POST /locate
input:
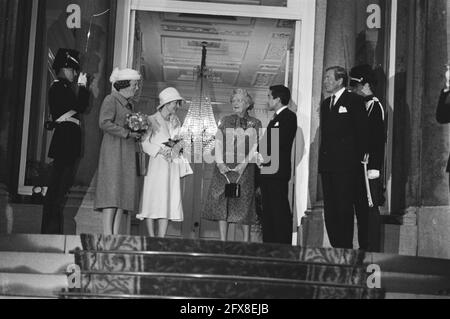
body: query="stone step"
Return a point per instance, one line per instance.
(203, 264)
(412, 275)
(145, 244)
(79, 295)
(32, 285)
(407, 264)
(405, 296)
(27, 298)
(35, 263)
(228, 287)
(388, 296)
(419, 284)
(39, 243)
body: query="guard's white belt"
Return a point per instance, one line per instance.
(67, 117)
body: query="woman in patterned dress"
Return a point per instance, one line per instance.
(236, 143)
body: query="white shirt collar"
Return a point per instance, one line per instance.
(282, 109)
(339, 94)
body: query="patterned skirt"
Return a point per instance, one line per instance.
(233, 210)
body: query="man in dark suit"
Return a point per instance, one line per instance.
(343, 147)
(276, 171)
(67, 101)
(443, 109)
(362, 82)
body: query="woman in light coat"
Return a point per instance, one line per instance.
(161, 197)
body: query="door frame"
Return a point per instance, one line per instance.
(22, 188)
(302, 12)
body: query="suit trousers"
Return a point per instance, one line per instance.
(61, 181)
(277, 219)
(369, 219)
(339, 194)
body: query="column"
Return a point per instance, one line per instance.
(434, 214)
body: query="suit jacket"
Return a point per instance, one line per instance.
(344, 134)
(377, 133)
(66, 141)
(286, 123)
(443, 113)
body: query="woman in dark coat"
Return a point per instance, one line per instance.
(117, 181)
(236, 164)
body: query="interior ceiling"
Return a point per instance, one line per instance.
(242, 52)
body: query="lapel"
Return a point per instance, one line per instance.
(339, 102)
(277, 118)
(123, 101)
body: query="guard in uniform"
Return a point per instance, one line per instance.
(363, 82)
(67, 101)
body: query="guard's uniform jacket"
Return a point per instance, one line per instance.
(369, 220)
(377, 133)
(66, 141)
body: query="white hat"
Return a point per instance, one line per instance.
(124, 75)
(167, 96)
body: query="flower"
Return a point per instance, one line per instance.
(177, 145)
(172, 143)
(137, 122)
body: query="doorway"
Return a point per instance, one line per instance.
(251, 46)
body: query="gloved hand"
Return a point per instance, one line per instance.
(259, 160)
(373, 174)
(82, 79)
(240, 169)
(166, 152)
(447, 79)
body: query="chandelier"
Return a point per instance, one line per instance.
(200, 127)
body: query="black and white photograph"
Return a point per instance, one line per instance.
(225, 154)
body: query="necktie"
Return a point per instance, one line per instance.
(332, 101)
(274, 116)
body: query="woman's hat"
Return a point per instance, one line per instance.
(169, 95)
(66, 58)
(124, 75)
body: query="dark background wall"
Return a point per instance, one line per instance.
(420, 144)
(15, 17)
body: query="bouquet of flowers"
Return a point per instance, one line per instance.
(139, 123)
(173, 142)
(176, 145)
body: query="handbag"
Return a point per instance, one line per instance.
(232, 190)
(142, 160)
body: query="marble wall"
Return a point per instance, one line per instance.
(435, 137)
